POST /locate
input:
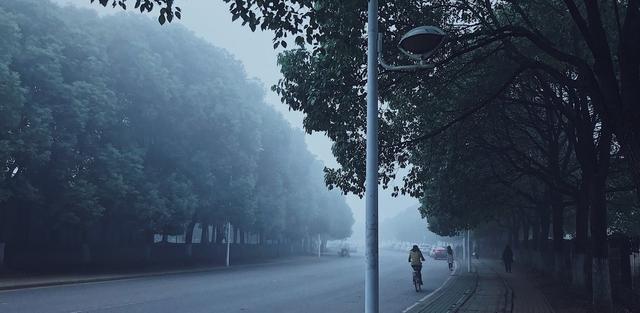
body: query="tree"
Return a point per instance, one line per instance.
(131, 147)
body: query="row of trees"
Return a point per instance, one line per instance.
(405, 227)
(113, 129)
(530, 119)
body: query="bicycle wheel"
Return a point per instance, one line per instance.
(416, 282)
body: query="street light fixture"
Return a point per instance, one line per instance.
(418, 44)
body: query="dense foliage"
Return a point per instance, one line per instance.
(529, 122)
(114, 129)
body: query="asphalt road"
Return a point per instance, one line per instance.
(331, 284)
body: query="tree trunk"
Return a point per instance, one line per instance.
(188, 239)
(219, 234)
(601, 282)
(149, 241)
(204, 235)
(188, 236)
(525, 234)
(515, 234)
(536, 245)
(580, 274)
(546, 254)
(24, 225)
(632, 150)
(2, 246)
(3, 234)
(526, 249)
(558, 234)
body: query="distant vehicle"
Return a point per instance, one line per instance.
(439, 253)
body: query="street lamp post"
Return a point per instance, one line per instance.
(227, 263)
(371, 291)
(418, 44)
(469, 249)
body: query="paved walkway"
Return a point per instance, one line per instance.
(526, 297)
(487, 289)
(492, 294)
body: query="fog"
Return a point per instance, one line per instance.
(175, 161)
(211, 20)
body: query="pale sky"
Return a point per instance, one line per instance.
(211, 20)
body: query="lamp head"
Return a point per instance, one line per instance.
(420, 42)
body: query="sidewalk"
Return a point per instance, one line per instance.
(488, 289)
(526, 297)
(491, 295)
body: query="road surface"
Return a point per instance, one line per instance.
(331, 284)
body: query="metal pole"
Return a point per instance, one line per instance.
(464, 249)
(319, 243)
(469, 251)
(371, 291)
(228, 242)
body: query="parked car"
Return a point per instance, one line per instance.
(439, 253)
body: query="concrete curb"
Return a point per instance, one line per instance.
(442, 290)
(427, 297)
(508, 292)
(467, 295)
(75, 282)
(87, 280)
(510, 295)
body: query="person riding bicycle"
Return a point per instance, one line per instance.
(416, 258)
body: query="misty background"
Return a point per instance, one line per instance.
(211, 21)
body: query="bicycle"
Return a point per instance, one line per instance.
(416, 281)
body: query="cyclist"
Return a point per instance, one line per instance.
(416, 258)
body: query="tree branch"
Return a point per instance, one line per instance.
(461, 117)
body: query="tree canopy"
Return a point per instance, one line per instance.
(529, 120)
(110, 135)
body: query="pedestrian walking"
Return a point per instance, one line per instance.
(507, 258)
(450, 257)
